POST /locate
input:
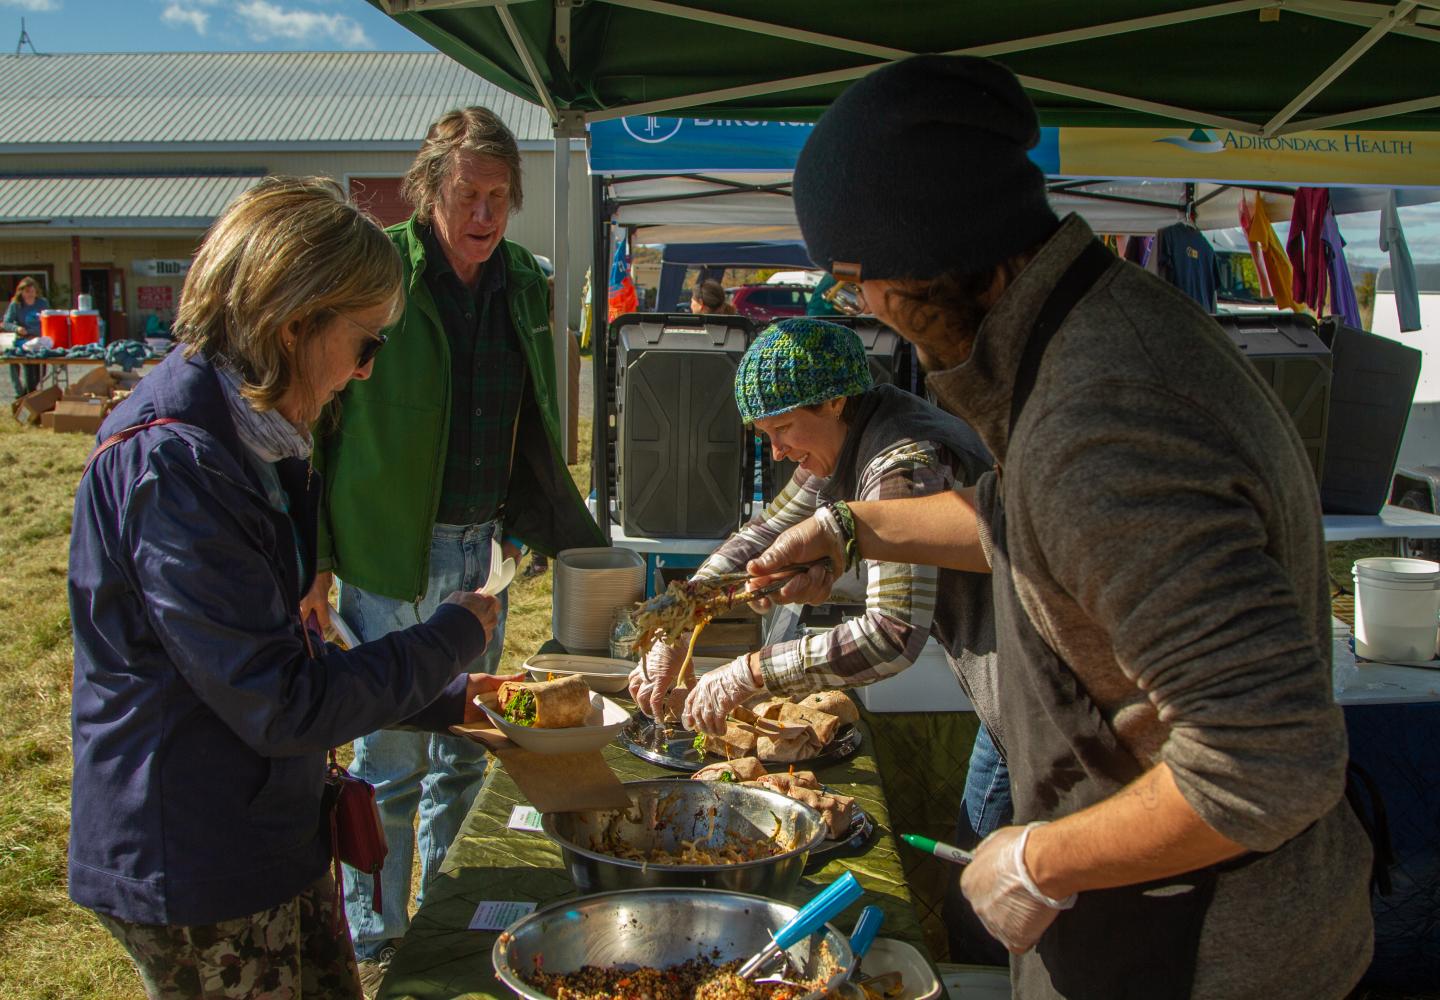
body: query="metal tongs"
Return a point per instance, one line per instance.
(662, 601)
(810, 918)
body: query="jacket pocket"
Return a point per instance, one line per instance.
(285, 811)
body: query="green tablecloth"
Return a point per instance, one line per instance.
(440, 957)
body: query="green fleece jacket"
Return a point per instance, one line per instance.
(383, 461)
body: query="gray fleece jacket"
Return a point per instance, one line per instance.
(1164, 530)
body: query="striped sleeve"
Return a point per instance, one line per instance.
(793, 504)
(899, 597)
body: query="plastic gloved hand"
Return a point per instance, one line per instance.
(1004, 896)
(804, 542)
(653, 679)
(715, 694)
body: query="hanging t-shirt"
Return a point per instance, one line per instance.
(1187, 261)
(1402, 268)
(1271, 263)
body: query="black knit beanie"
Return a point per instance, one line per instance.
(921, 168)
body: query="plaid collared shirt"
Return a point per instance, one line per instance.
(899, 597)
(487, 374)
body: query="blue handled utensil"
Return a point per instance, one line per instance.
(862, 937)
(812, 916)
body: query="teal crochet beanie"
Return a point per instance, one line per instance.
(799, 362)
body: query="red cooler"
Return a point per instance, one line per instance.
(55, 324)
(84, 327)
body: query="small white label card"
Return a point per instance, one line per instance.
(496, 915)
(525, 818)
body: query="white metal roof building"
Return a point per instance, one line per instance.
(110, 162)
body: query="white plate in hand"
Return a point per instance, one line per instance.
(602, 725)
(603, 674)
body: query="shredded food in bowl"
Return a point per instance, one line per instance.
(735, 849)
(697, 979)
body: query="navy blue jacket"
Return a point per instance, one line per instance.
(200, 721)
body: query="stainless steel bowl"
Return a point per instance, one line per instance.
(667, 811)
(658, 928)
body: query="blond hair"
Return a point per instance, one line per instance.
(474, 130)
(24, 283)
(289, 249)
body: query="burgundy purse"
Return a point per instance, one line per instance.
(356, 834)
(357, 837)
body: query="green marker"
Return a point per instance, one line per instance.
(946, 852)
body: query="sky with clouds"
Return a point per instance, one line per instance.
(201, 25)
(355, 25)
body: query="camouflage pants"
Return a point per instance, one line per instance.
(293, 951)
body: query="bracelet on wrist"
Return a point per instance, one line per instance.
(845, 524)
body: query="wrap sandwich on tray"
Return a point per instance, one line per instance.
(561, 704)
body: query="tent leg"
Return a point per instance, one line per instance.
(560, 320)
(600, 355)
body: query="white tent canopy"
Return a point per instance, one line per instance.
(741, 206)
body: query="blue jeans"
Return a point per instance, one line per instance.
(987, 805)
(436, 774)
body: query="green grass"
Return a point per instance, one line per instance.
(51, 949)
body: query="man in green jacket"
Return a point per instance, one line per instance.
(454, 441)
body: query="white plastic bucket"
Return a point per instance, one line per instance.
(1397, 602)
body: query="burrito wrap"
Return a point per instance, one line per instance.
(561, 704)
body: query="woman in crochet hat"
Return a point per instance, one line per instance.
(806, 385)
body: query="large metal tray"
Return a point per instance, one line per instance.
(673, 747)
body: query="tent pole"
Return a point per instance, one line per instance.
(600, 354)
(1366, 42)
(560, 317)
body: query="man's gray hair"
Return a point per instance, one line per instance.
(474, 130)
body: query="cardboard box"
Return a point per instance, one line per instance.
(96, 382)
(80, 416)
(29, 408)
(47, 420)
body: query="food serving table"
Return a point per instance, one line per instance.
(439, 957)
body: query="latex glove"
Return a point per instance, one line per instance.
(1005, 897)
(805, 542)
(652, 680)
(715, 694)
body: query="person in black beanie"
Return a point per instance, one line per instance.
(1163, 690)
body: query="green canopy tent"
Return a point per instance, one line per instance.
(1257, 68)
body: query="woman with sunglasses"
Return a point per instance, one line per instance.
(203, 706)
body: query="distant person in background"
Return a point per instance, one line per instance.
(23, 317)
(709, 298)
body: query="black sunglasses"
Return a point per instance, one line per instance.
(371, 347)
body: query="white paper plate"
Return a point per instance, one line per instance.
(602, 725)
(601, 673)
(890, 955)
(341, 630)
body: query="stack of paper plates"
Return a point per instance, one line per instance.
(590, 584)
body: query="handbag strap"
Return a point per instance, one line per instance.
(125, 435)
